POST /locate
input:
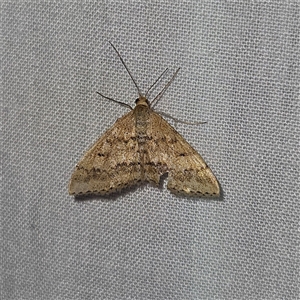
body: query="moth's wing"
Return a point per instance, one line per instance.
(167, 151)
(111, 163)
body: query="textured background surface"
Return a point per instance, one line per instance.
(239, 72)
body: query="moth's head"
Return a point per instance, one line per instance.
(142, 100)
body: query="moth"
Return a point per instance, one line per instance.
(140, 147)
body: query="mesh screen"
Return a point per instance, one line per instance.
(239, 72)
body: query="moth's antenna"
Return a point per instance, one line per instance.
(139, 91)
(164, 89)
(162, 74)
(121, 103)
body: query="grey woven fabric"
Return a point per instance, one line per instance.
(239, 72)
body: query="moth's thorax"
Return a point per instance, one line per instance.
(141, 113)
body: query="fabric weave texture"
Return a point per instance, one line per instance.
(239, 72)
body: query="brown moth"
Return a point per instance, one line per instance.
(140, 147)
